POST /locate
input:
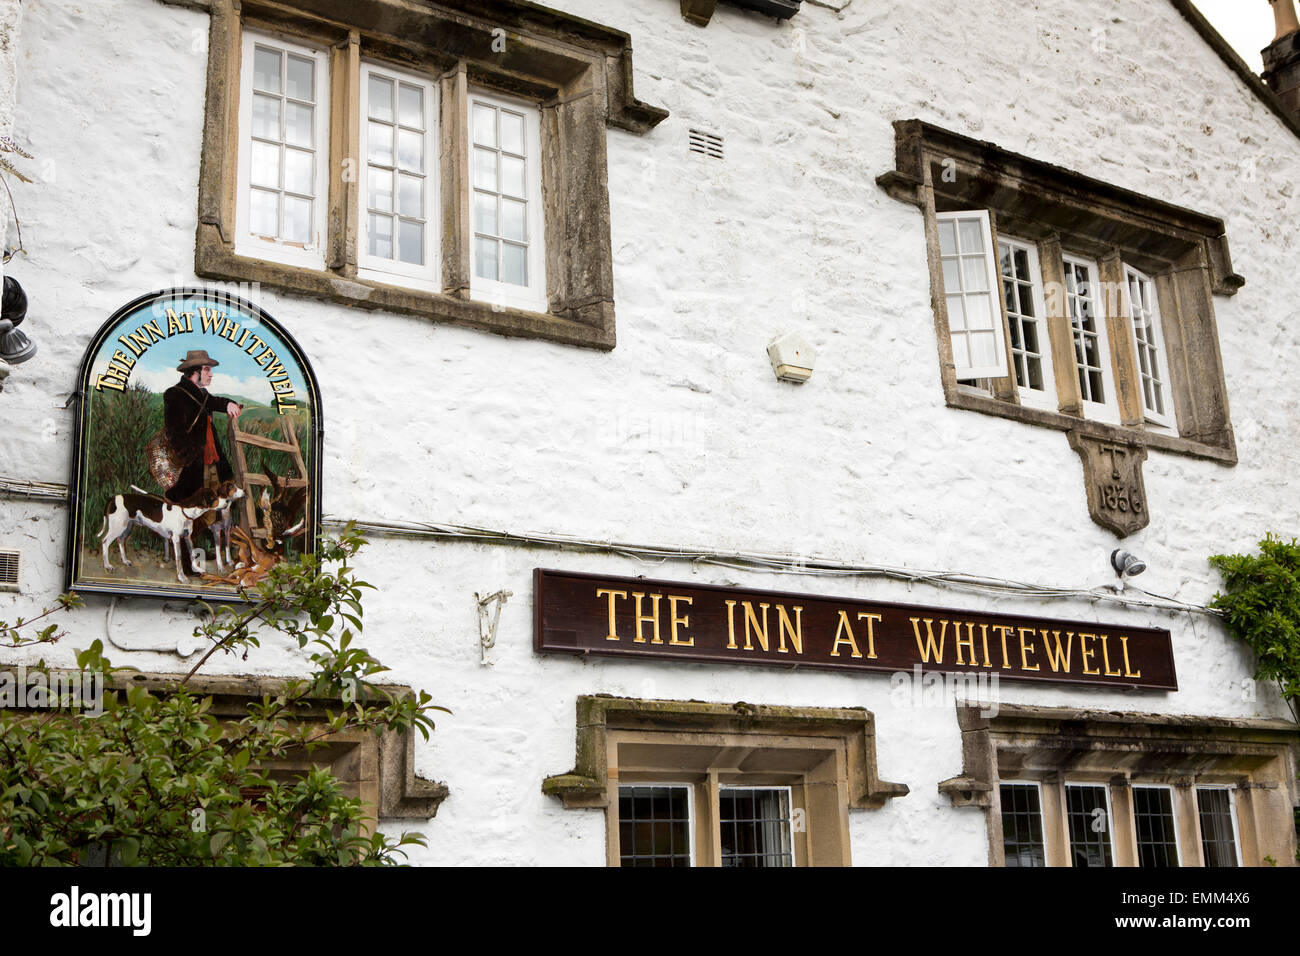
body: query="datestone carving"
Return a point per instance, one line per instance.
(1112, 475)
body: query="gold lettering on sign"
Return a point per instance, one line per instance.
(1026, 649)
(118, 371)
(1123, 642)
(844, 635)
(871, 632)
(1060, 661)
(751, 616)
(929, 647)
(967, 642)
(783, 625)
(653, 617)
(1006, 661)
(984, 637)
(130, 341)
(210, 320)
(674, 620)
(613, 629)
(1105, 658)
(1087, 652)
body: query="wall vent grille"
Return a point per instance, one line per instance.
(709, 144)
(10, 565)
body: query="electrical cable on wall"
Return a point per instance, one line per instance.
(783, 564)
(1129, 596)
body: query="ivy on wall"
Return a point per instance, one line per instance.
(1260, 602)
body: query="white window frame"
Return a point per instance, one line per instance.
(1046, 397)
(1173, 810)
(312, 255)
(1161, 377)
(998, 368)
(693, 819)
(1107, 410)
(1110, 816)
(1232, 813)
(533, 296)
(427, 276)
(691, 816)
(1042, 817)
(789, 802)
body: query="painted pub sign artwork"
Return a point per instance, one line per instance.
(198, 449)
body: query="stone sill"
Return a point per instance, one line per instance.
(216, 259)
(1020, 719)
(1118, 434)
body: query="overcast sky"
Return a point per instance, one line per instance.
(1246, 24)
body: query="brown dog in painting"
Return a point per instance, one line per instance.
(220, 522)
(172, 522)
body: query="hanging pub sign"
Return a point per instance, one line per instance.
(633, 617)
(197, 464)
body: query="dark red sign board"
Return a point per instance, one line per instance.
(635, 617)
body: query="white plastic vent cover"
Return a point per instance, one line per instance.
(710, 144)
(10, 564)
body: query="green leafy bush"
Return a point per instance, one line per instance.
(156, 779)
(1260, 604)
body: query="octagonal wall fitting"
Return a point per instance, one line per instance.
(792, 358)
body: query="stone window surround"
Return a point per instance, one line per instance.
(1057, 745)
(580, 73)
(827, 756)
(1185, 253)
(378, 770)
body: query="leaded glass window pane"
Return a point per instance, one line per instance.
(1022, 825)
(1218, 834)
(654, 826)
(1088, 812)
(756, 828)
(1153, 815)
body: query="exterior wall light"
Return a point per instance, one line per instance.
(1126, 565)
(15, 346)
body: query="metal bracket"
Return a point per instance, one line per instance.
(487, 633)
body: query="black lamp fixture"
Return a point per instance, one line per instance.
(15, 346)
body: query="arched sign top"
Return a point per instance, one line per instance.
(197, 465)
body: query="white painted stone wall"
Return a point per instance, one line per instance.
(681, 436)
(11, 18)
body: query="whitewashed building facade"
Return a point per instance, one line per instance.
(547, 346)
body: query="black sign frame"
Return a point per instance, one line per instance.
(290, 354)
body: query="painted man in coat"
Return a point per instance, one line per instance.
(187, 419)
